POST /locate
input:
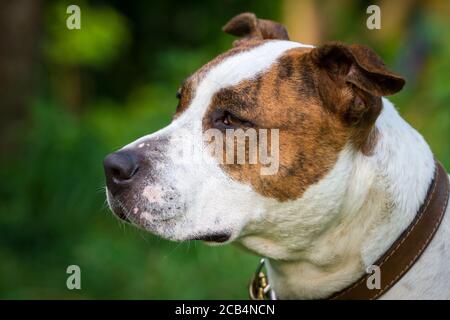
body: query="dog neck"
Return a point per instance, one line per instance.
(351, 217)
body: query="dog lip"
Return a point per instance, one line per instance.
(121, 215)
(215, 237)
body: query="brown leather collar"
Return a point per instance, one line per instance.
(409, 246)
(402, 254)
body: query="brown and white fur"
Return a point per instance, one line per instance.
(351, 177)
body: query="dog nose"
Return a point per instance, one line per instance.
(120, 168)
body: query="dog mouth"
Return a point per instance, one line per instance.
(122, 213)
(210, 238)
(214, 237)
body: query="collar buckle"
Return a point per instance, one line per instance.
(259, 287)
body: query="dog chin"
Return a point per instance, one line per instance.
(167, 230)
(215, 238)
(212, 238)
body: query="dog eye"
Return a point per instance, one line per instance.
(229, 120)
(178, 95)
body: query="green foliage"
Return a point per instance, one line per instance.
(103, 35)
(426, 103)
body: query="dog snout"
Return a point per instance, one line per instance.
(120, 168)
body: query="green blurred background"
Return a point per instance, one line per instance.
(69, 97)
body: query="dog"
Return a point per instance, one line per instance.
(350, 178)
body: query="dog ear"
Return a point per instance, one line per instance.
(353, 78)
(358, 65)
(248, 27)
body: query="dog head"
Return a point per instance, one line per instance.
(302, 106)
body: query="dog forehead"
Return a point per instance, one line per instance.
(246, 64)
(232, 68)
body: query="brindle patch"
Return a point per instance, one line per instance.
(310, 137)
